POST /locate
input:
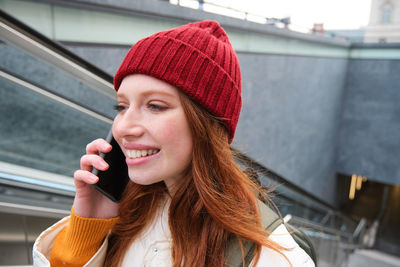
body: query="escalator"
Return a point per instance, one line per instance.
(50, 102)
(379, 203)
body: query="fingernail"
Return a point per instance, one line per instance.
(93, 179)
(104, 165)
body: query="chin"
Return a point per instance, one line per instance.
(143, 180)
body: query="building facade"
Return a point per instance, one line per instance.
(384, 22)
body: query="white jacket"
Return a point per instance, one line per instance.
(153, 247)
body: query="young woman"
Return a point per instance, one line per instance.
(187, 202)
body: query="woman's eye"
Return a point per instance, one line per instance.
(119, 108)
(155, 107)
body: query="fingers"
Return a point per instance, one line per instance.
(90, 161)
(82, 177)
(97, 146)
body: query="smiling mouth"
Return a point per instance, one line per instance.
(133, 154)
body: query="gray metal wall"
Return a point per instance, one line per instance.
(370, 131)
(290, 117)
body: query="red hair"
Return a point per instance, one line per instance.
(213, 203)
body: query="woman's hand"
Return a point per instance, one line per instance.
(89, 202)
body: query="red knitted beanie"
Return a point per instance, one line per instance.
(199, 60)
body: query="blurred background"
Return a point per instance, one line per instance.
(320, 122)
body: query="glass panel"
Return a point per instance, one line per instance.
(386, 14)
(21, 64)
(41, 133)
(296, 203)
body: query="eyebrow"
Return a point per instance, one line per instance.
(147, 93)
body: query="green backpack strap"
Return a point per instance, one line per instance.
(303, 241)
(269, 220)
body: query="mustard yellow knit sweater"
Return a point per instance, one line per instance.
(80, 240)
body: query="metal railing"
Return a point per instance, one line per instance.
(229, 10)
(333, 247)
(214, 7)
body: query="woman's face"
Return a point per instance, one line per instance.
(152, 130)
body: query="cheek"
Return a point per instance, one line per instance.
(177, 133)
(170, 129)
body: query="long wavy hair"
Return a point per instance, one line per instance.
(215, 202)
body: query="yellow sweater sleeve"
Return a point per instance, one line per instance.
(80, 240)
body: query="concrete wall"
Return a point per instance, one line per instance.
(291, 112)
(370, 129)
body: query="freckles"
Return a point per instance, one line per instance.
(170, 129)
(174, 129)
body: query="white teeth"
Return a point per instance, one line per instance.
(140, 153)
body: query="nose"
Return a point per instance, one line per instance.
(128, 124)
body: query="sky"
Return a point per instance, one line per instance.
(334, 14)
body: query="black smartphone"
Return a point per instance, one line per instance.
(113, 181)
